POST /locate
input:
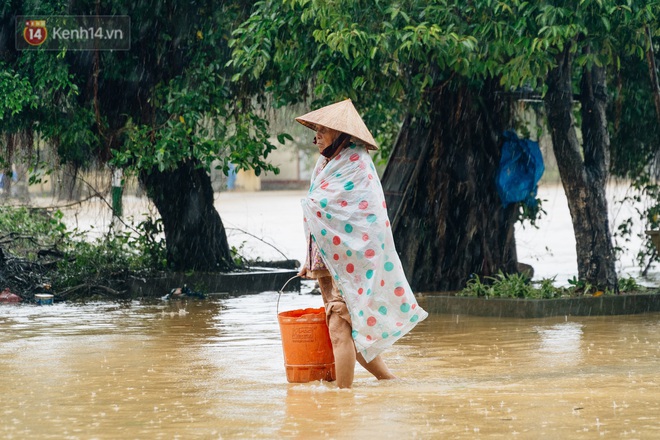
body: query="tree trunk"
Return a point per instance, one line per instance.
(447, 218)
(194, 234)
(22, 156)
(8, 159)
(68, 186)
(16, 158)
(584, 179)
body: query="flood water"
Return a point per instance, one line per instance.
(213, 369)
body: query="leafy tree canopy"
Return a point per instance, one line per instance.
(390, 55)
(166, 100)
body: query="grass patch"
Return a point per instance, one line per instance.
(520, 286)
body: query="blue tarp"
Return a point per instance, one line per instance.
(521, 167)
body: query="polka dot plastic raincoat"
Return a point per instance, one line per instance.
(346, 216)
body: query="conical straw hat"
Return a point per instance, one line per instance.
(340, 116)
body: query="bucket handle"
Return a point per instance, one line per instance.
(280, 294)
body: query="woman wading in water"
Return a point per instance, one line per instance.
(350, 250)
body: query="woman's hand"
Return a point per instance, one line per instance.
(303, 272)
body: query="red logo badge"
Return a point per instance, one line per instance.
(35, 32)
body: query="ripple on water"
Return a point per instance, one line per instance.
(214, 368)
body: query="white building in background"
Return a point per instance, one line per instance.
(295, 161)
(295, 168)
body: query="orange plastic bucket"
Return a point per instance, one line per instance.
(306, 344)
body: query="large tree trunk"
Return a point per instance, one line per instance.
(194, 234)
(448, 221)
(584, 179)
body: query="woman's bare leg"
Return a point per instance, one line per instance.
(341, 338)
(344, 350)
(376, 367)
(343, 346)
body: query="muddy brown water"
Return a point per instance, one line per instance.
(213, 369)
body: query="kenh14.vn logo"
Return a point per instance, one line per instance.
(35, 32)
(73, 32)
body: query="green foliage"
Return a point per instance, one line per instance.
(547, 290)
(581, 286)
(205, 73)
(39, 93)
(519, 286)
(194, 109)
(17, 92)
(390, 56)
(634, 128)
(511, 286)
(147, 239)
(90, 262)
(113, 256)
(166, 100)
(165, 103)
(531, 214)
(385, 56)
(474, 287)
(201, 76)
(30, 230)
(629, 284)
(116, 254)
(238, 255)
(35, 236)
(500, 286)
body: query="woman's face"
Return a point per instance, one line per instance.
(325, 137)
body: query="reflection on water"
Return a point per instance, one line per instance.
(560, 343)
(214, 369)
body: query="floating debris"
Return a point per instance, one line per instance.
(183, 292)
(6, 296)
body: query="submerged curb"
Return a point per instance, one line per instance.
(540, 308)
(218, 284)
